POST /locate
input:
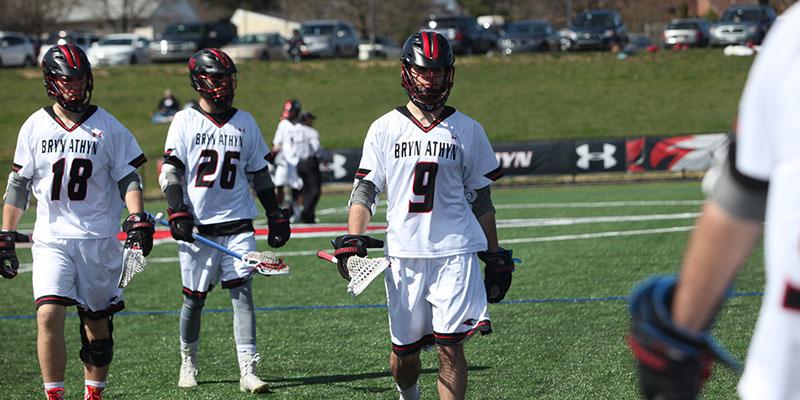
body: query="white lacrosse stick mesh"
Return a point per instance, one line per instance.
(362, 271)
(133, 262)
(266, 263)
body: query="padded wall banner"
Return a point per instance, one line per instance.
(679, 153)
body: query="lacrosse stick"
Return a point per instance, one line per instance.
(133, 262)
(263, 262)
(362, 270)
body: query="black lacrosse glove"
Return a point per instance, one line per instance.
(139, 227)
(352, 245)
(672, 362)
(181, 224)
(497, 274)
(9, 264)
(279, 229)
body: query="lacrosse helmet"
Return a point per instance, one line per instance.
(213, 76)
(291, 110)
(427, 69)
(68, 77)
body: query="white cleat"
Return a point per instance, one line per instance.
(188, 373)
(249, 382)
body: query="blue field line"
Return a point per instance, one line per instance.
(363, 306)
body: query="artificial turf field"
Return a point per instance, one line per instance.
(558, 335)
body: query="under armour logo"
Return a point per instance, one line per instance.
(606, 156)
(96, 133)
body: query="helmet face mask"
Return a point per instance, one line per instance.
(68, 77)
(213, 75)
(427, 70)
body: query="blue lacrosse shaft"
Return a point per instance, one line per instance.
(206, 241)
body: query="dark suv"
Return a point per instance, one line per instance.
(741, 24)
(596, 30)
(180, 41)
(464, 33)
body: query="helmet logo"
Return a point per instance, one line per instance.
(430, 46)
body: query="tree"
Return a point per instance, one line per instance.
(121, 15)
(33, 17)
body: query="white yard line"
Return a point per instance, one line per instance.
(612, 234)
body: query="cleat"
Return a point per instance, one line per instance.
(55, 394)
(188, 372)
(93, 393)
(249, 382)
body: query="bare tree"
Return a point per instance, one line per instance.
(121, 15)
(33, 17)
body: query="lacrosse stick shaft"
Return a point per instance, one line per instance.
(208, 242)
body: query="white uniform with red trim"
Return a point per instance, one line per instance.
(285, 172)
(434, 286)
(74, 171)
(768, 149)
(216, 156)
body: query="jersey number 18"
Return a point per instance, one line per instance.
(79, 173)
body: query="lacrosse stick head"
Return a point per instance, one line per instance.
(266, 263)
(363, 270)
(133, 262)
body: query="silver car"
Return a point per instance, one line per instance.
(260, 46)
(328, 38)
(119, 49)
(691, 32)
(16, 50)
(742, 24)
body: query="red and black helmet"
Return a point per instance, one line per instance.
(68, 77)
(291, 110)
(427, 69)
(213, 75)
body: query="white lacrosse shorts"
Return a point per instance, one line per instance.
(286, 174)
(81, 272)
(435, 300)
(203, 266)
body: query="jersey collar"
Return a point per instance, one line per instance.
(86, 115)
(219, 119)
(448, 111)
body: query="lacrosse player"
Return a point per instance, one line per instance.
(671, 319)
(80, 163)
(283, 151)
(436, 166)
(213, 154)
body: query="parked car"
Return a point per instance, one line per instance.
(180, 41)
(119, 49)
(16, 49)
(693, 32)
(259, 46)
(530, 35)
(464, 33)
(742, 24)
(384, 47)
(83, 40)
(596, 30)
(328, 38)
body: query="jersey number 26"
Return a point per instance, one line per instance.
(207, 168)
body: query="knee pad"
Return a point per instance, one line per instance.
(194, 302)
(98, 353)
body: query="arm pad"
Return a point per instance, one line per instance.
(130, 183)
(262, 184)
(18, 191)
(364, 193)
(482, 203)
(171, 182)
(740, 195)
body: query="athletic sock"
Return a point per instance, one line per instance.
(244, 317)
(410, 393)
(97, 384)
(53, 385)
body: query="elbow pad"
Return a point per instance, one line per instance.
(18, 191)
(364, 193)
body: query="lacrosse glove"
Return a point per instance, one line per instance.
(497, 273)
(352, 245)
(9, 264)
(672, 362)
(181, 224)
(139, 227)
(279, 229)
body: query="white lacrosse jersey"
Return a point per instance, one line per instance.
(74, 172)
(216, 155)
(286, 134)
(768, 149)
(429, 175)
